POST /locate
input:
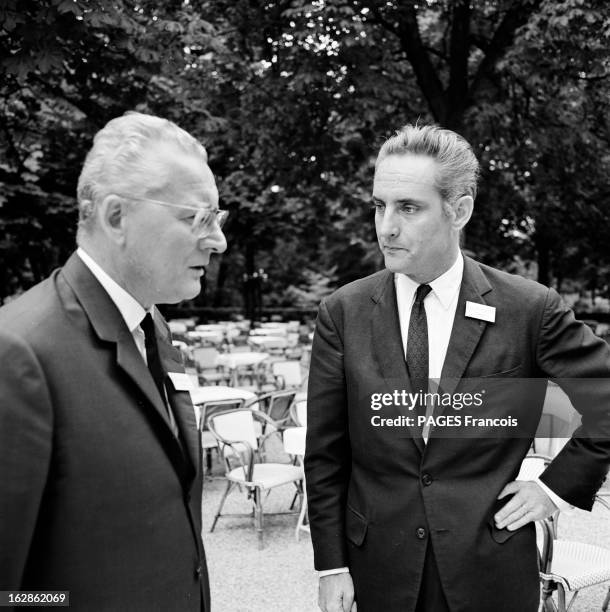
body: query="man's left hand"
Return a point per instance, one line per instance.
(529, 503)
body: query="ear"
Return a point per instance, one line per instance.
(112, 217)
(462, 211)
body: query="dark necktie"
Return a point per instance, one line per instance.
(417, 345)
(152, 354)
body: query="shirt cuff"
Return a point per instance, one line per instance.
(330, 572)
(561, 504)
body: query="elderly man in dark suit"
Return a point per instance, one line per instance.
(406, 516)
(100, 463)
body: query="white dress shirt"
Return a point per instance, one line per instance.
(440, 306)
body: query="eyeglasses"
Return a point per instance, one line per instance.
(203, 219)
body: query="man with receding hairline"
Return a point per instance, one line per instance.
(406, 518)
(100, 459)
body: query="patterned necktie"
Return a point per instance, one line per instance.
(152, 354)
(417, 345)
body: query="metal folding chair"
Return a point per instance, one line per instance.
(240, 447)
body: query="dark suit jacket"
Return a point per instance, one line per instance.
(98, 496)
(377, 495)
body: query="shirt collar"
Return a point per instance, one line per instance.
(445, 287)
(131, 310)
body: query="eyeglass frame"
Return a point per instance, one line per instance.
(220, 215)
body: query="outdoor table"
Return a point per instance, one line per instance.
(234, 361)
(269, 331)
(190, 323)
(216, 393)
(177, 327)
(269, 342)
(216, 336)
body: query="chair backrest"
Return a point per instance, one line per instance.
(298, 412)
(290, 371)
(279, 405)
(234, 426)
(212, 408)
(205, 357)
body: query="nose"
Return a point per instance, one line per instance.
(387, 224)
(214, 241)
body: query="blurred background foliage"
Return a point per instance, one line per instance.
(292, 100)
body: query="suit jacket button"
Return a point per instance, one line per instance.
(421, 533)
(427, 480)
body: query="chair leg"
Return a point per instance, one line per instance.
(258, 517)
(298, 494)
(208, 459)
(547, 603)
(561, 598)
(222, 503)
(302, 518)
(294, 499)
(606, 601)
(548, 606)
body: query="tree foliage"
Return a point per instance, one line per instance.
(292, 98)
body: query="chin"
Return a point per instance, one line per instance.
(186, 293)
(397, 267)
(192, 293)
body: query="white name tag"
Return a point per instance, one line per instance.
(181, 381)
(481, 311)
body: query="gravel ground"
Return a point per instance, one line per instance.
(280, 578)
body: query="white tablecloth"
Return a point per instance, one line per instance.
(269, 341)
(235, 360)
(213, 393)
(213, 335)
(269, 331)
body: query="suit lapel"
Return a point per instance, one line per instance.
(466, 331)
(131, 362)
(110, 326)
(387, 342)
(180, 401)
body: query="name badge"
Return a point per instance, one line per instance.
(481, 311)
(181, 381)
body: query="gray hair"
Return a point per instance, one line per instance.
(116, 164)
(459, 168)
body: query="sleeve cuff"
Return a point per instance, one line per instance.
(330, 572)
(561, 504)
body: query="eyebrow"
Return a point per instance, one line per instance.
(400, 201)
